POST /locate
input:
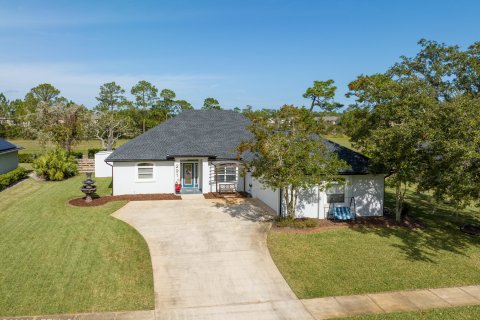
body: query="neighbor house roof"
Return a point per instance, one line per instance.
(208, 133)
(197, 133)
(6, 146)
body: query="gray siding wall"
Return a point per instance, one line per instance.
(8, 161)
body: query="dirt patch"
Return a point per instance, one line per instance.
(363, 222)
(98, 201)
(216, 195)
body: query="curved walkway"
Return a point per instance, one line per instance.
(210, 260)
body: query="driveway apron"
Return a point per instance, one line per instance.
(210, 260)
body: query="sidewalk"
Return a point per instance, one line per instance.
(398, 301)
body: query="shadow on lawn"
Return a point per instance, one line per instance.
(441, 233)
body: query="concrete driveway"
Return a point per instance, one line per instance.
(210, 260)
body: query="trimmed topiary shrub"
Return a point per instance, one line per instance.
(9, 178)
(55, 165)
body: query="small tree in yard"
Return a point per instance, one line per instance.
(290, 155)
(109, 126)
(55, 165)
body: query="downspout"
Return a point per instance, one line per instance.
(111, 165)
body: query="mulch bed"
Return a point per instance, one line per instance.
(216, 195)
(361, 222)
(98, 201)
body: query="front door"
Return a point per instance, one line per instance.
(188, 175)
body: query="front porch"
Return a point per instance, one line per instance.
(199, 175)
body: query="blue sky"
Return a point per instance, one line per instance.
(262, 53)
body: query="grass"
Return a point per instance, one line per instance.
(56, 258)
(365, 260)
(464, 313)
(34, 146)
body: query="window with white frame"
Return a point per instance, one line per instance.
(145, 171)
(227, 174)
(336, 193)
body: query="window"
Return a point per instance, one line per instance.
(145, 171)
(227, 174)
(336, 193)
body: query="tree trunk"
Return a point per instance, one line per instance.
(110, 140)
(398, 201)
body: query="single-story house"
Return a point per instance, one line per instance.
(197, 150)
(8, 156)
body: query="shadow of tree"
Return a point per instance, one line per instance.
(441, 233)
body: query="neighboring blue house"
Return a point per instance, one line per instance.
(8, 156)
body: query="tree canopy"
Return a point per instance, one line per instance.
(290, 155)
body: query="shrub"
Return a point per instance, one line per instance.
(76, 154)
(13, 176)
(27, 157)
(55, 165)
(299, 223)
(92, 151)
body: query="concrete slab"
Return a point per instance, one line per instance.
(424, 299)
(392, 302)
(472, 290)
(356, 305)
(210, 260)
(455, 296)
(325, 308)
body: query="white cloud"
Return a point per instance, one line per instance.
(81, 84)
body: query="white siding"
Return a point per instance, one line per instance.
(125, 179)
(102, 169)
(269, 196)
(368, 191)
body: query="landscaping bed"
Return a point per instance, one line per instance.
(98, 201)
(216, 195)
(308, 225)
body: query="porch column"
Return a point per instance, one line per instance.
(176, 167)
(205, 171)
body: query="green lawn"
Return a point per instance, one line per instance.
(56, 258)
(364, 260)
(34, 146)
(463, 313)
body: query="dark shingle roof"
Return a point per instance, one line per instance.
(5, 145)
(211, 133)
(358, 162)
(208, 133)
